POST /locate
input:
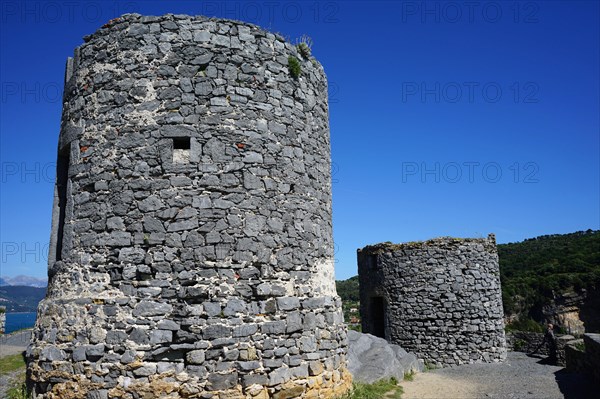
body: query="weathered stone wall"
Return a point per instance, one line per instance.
(586, 361)
(2, 319)
(440, 299)
(192, 244)
(527, 342)
(575, 360)
(592, 355)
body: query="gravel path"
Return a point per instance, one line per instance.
(14, 343)
(519, 377)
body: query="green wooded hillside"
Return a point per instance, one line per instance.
(348, 289)
(535, 270)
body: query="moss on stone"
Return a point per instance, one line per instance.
(388, 246)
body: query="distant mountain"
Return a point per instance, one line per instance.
(21, 298)
(23, 281)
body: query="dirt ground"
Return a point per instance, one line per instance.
(431, 385)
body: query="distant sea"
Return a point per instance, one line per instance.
(18, 321)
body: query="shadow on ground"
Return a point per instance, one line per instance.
(575, 386)
(571, 385)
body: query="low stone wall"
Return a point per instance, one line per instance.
(585, 361)
(592, 355)
(524, 341)
(575, 357)
(2, 319)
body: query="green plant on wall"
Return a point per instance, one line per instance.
(294, 66)
(519, 345)
(579, 345)
(304, 46)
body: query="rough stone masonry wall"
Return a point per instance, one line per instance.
(592, 355)
(528, 342)
(440, 299)
(584, 360)
(2, 319)
(196, 255)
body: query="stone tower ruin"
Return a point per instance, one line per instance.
(191, 248)
(440, 298)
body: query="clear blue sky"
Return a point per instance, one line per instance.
(460, 118)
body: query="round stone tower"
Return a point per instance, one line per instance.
(191, 248)
(440, 298)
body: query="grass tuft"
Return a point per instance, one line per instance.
(11, 363)
(429, 367)
(294, 66)
(304, 46)
(382, 389)
(14, 367)
(18, 390)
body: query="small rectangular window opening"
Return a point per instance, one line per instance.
(181, 150)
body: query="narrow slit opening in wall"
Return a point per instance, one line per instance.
(378, 316)
(181, 149)
(62, 180)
